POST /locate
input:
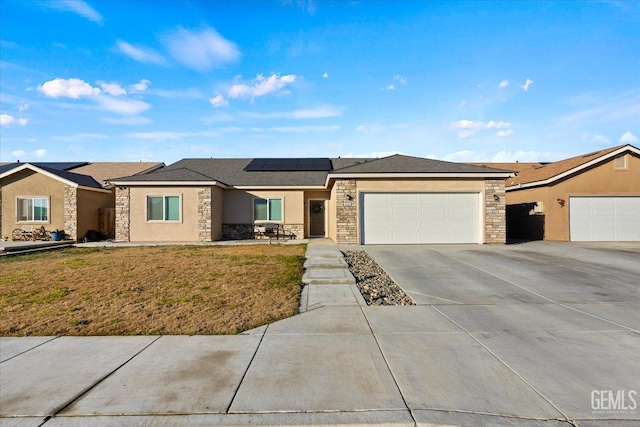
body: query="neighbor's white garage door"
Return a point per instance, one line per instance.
(405, 218)
(604, 218)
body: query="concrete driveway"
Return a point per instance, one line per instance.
(538, 334)
(527, 329)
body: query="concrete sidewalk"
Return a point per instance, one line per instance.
(339, 362)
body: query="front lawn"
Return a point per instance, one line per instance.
(149, 290)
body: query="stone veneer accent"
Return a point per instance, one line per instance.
(204, 214)
(1, 236)
(71, 212)
(346, 212)
(123, 210)
(495, 228)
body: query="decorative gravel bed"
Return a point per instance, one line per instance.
(375, 285)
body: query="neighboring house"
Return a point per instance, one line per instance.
(69, 196)
(592, 197)
(396, 199)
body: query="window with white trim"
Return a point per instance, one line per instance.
(32, 209)
(267, 209)
(163, 208)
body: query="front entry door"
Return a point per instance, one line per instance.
(316, 218)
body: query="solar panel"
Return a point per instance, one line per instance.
(289, 165)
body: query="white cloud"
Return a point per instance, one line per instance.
(628, 138)
(400, 79)
(168, 135)
(141, 86)
(23, 107)
(462, 103)
(6, 120)
(504, 84)
(504, 133)
(526, 84)
(325, 75)
(79, 137)
(41, 152)
(320, 112)
(468, 128)
(390, 87)
(78, 7)
(112, 89)
(598, 138)
(140, 54)
(298, 129)
(200, 51)
(131, 120)
(219, 101)
(122, 106)
(362, 129)
(498, 125)
(18, 153)
(69, 88)
(23, 122)
(261, 86)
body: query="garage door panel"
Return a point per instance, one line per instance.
(604, 218)
(410, 218)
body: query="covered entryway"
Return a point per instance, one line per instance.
(604, 218)
(317, 218)
(418, 218)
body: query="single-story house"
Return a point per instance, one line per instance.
(591, 197)
(69, 196)
(392, 200)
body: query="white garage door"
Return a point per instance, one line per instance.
(604, 218)
(405, 218)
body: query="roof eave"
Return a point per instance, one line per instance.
(167, 183)
(455, 175)
(573, 170)
(49, 175)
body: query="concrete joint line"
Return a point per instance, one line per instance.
(601, 318)
(235, 393)
(386, 362)
(501, 278)
(29, 349)
(434, 297)
(566, 417)
(64, 405)
(515, 417)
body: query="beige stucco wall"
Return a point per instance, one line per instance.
(406, 185)
(31, 184)
(184, 230)
(238, 205)
(601, 180)
(89, 202)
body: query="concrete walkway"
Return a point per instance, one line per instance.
(339, 362)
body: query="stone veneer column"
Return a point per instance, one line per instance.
(204, 214)
(123, 210)
(346, 212)
(71, 212)
(495, 229)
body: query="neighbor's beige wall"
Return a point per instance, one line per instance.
(407, 185)
(185, 230)
(31, 184)
(89, 202)
(238, 205)
(601, 180)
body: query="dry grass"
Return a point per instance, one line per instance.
(149, 290)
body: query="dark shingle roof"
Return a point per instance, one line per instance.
(232, 171)
(399, 163)
(83, 180)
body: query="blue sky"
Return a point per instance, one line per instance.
(157, 80)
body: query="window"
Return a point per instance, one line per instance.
(621, 162)
(33, 209)
(163, 208)
(267, 209)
